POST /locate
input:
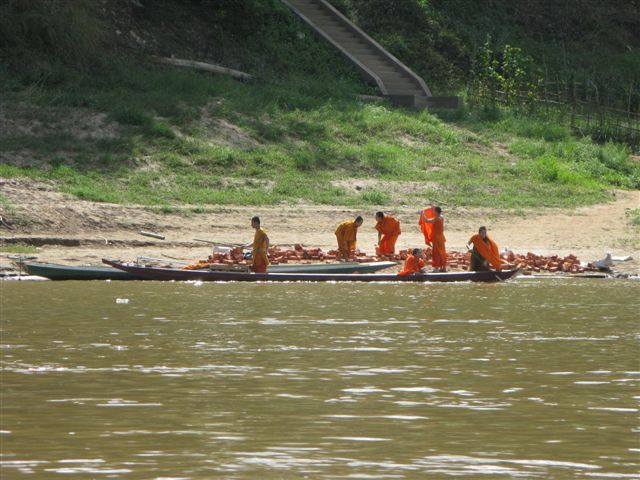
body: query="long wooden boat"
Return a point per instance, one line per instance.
(54, 271)
(153, 273)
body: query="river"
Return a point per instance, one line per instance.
(526, 379)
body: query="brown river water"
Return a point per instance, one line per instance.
(145, 380)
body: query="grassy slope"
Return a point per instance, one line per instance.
(164, 137)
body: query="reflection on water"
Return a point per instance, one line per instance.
(525, 379)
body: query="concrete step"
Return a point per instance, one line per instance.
(302, 4)
(307, 5)
(358, 46)
(410, 93)
(378, 57)
(404, 99)
(403, 87)
(347, 38)
(397, 87)
(331, 23)
(340, 32)
(328, 23)
(362, 50)
(377, 61)
(321, 17)
(365, 56)
(396, 78)
(394, 75)
(313, 12)
(374, 64)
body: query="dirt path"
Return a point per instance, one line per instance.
(80, 232)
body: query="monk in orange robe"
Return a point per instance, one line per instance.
(485, 252)
(260, 248)
(388, 232)
(413, 263)
(346, 235)
(432, 225)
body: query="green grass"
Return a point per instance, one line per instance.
(18, 249)
(5, 204)
(288, 141)
(634, 217)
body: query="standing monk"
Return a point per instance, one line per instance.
(485, 252)
(346, 236)
(260, 248)
(432, 225)
(388, 231)
(413, 264)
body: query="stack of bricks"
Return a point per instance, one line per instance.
(529, 262)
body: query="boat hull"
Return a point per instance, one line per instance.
(54, 271)
(151, 273)
(70, 272)
(346, 267)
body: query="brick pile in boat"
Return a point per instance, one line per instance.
(529, 262)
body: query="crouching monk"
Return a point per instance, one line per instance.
(484, 253)
(346, 234)
(413, 263)
(260, 248)
(388, 232)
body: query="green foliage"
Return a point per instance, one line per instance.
(5, 204)
(508, 75)
(535, 128)
(586, 40)
(40, 39)
(580, 162)
(19, 248)
(130, 115)
(634, 217)
(375, 197)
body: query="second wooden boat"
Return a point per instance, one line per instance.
(153, 273)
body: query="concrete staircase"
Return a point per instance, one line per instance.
(394, 79)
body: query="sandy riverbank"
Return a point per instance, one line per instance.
(72, 231)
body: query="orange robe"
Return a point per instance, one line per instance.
(412, 265)
(389, 227)
(434, 236)
(439, 253)
(425, 227)
(346, 232)
(488, 249)
(259, 252)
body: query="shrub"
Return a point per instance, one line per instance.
(375, 197)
